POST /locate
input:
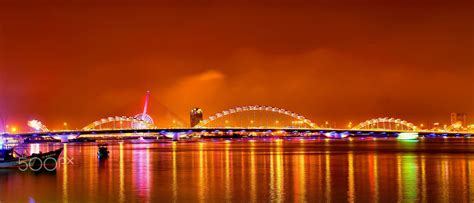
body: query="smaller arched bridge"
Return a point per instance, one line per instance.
(393, 124)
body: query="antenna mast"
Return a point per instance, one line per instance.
(145, 107)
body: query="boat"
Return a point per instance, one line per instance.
(80, 140)
(103, 151)
(10, 159)
(40, 139)
(335, 135)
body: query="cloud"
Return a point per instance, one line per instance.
(208, 76)
(190, 91)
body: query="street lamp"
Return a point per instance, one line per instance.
(65, 125)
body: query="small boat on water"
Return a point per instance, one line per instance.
(11, 159)
(103, 151)
(81, 140)
(40, 139)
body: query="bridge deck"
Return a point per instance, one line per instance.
(354, 132)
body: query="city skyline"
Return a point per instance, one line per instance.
(458, 121)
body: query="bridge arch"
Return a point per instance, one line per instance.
(386, 124)
(239, 109)
(118, 121)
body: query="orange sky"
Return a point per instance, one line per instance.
(353, 60)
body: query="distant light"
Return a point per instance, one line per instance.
(407, 136)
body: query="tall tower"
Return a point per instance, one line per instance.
(145, 106)
(196, 116)
(458, 118)
(143, 116)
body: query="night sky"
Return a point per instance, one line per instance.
(78, 61)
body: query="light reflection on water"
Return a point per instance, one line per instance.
(351, 192)
(122, 174)
(257, 171)
(65, 172)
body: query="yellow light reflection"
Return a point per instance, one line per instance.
(121, 174)
(470, 174)
(276, 174)
(423, 179)
(202, 182)
(175, 181)
(227, 185)
(92, 173)
(444, 188)
(328, 177)
(376, 178)
(319, 183)
(302, 178)
(272, 177)
(65, 181)
(463, 173)
(279, 175)
(253, 180)
(350, 192)
(399, 179)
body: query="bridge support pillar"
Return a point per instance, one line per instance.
(175, 136)
(64, 138)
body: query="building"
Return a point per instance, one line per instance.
(458, 119)
(196, 116)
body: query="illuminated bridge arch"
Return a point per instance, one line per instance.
(386, 124)
(257, 108)
(119, 122)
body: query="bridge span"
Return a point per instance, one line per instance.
(236, 132)
(253, 120)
